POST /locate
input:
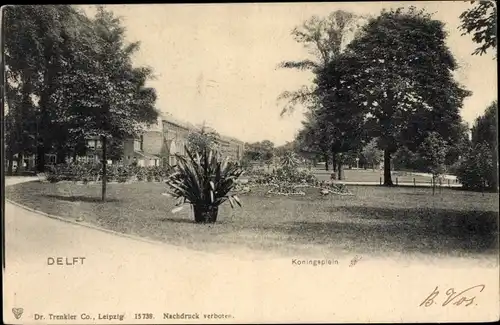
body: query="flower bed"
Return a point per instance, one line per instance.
(283, 174)
(288, 181)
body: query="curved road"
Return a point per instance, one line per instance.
(125, 276)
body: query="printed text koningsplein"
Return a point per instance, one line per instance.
(314, 262)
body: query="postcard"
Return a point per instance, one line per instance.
(250, 163)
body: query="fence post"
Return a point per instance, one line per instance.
(414, 183)
(380, 180)
(396, 181)
(449, 182)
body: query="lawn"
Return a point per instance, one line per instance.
(376, 220)
(369, 175)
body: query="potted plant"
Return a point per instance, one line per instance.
(204, 181)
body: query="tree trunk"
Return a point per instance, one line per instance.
(10, 158)
(44, 120)
(387, 168)
(11, 125)
(61, 156)
(104, 166)
(334, 162)
(325, 157)
(20, 158)
(205, 214)
(340, 172)
(40, 158)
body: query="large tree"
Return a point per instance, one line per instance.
(38, 51)
(107, 97)
(405, 80)
(481, 22)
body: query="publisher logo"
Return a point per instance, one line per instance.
(18, 312)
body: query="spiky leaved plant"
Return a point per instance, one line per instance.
(204, 181)
(289, 160)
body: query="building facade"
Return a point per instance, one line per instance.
(160, 144)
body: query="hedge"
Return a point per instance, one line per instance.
(88, 172)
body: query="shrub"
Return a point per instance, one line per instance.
(289, 160)
(204, 182)
(477, 170)
(141, 173)
(112, 173)
(86, 172)
(76, 171)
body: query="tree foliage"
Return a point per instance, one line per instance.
(479, 168)
(485, 128)
(262, 151)
(433, 151)
(480, 21)
(342, 116)
(372, 154)
(35, 43)
(324, 38)
(478, 171)
(203, 139)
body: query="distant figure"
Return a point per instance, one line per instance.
(333, 177)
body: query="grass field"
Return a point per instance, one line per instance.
(376, 220)
(369, 175)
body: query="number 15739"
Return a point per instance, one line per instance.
(143, 316)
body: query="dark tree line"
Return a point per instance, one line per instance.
(70, 77)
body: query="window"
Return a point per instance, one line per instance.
(50, 159)
(91, 144)
(138, 144)
(172, 161)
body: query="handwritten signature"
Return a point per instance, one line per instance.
(355, 260)
(464, 297)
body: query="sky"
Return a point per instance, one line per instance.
(217, 63)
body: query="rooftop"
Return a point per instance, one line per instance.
(167, 117)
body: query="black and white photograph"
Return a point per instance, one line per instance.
(236, 163)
